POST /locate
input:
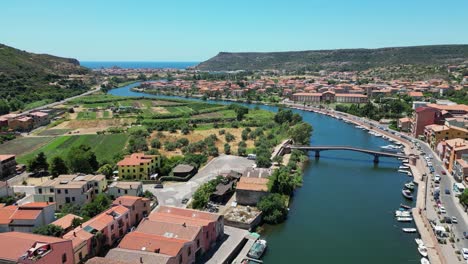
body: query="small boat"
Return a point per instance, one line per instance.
(419, 242)
(407, 207)
(403, 167)
(407, 194)
(409, 230)
(410, 174)
(425, 261)
(402, 214)
(402, 159)
(257, 249)
(403, 171)
(404, 219)
(409, 185)
(423, 251)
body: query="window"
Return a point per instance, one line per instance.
(67, 199)
(95, 184)
(134, 171)
(59, 191)
(73, 199)
(112, 227)
(118, 190)
(126, 191)
(64, 258)
(66, 191)
(51, 190)
(51, 199)
(190, 251)
(80, 256)
(39, 190)
(198, 243)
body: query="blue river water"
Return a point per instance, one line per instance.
(344, 212)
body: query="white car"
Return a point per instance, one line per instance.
(437, 179)
(465, 253)
(454, 220)
(442, 210)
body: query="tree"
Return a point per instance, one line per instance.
(273, 207)
(282, 181)
(229, 137)
(301, 133)
(76, 222)
(107, 170)
(100, 203)
(38, 163)
(49, 230)
(155, 143)
(227, 149)
(82, 159)
(464, 197)
(58, 167)
(4, 108)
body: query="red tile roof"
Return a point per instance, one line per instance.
(135, 159)
(152, 243)
(26, 214)
(14, 244)
(5, 157)
(66, 221)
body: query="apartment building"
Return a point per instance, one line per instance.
(27, 217)
(25, 248)
(330, 96)
(78, 189)
(121, 188)
(139, 207)
(454, 149)
(7, 165)
(138, 166)
(434, 134)
(460, 169)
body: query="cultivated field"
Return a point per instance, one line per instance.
(22, 145)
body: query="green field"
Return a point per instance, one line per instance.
(54, 132)
(23, 145)
(179, 109)
(105, 146)
(86, 115)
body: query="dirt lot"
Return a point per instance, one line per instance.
(199, 135)
(92, 126)
(160, 110)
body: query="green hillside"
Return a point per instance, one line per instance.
(27, 77)
(342, 59)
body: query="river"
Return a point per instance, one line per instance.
(343, 213)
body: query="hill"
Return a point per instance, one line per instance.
(27, 77)
(340, 60)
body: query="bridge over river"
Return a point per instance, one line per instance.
(318, 149)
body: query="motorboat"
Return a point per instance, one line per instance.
(257, 249)
(409, 185)
(404, 171)
(410, 174)
(402, 214)
(390, 148)
(403, 167)
(409, 230)
(407, 194)
(425, 261)
(407, 207)
(404, 219)
(419, 242)
(423, 251)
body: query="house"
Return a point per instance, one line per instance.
(40, 119)
(66, 189)
(404, 124)
(66, 222)
(7, 165)
(138, 166)
(25, 248)
(425, 116)
(139, 207)
(416, 95)
(249, 190)
(223, 192)
(454, 150)
(26, 217)
(184, 170)
(119, 188)
(21, 123)
(212, 225)
(105, 229)
(434, 134)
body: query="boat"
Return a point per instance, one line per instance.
(419, 242)
(422, 250)
(403, 167)
(407, 194)
(409, 185)
(407, 207)
(410, 174)
(404, 219)
(409, 230)
(257, 249)
(425, 261)
(390, 148)
(402, 214)
(403, 171)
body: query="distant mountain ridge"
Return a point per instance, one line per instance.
(339, 59)
(28, 77)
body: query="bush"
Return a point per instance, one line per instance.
(273, 207)
(155, 143)
(230, 137)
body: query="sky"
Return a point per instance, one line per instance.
(195, 30)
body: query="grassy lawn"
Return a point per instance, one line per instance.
(260, 115)
(86, 115)
(23, 145)
(106, 114)
(104, 146)
(37, 104)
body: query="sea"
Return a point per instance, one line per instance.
(139, 64)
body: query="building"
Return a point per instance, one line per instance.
(184, 170)
(416, 95)
(40, 119)
(138, 166)
(22, 123)
(66, 222)
(4, 189)
(460, 169)
(329, 97)
(105, 229)
(24, 248)
(27, 217)
(404, 124)
(424, 116)
(66, 189)
(120, 188)
(249, 190)
(139, 207)
(307, 97)
(7, 165)
(454, 149)
(212, 225)
(434, 134)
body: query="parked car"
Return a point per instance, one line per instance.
(454, 220)
(443, 172)
(437, 178)
(442, 210)
(448, 220)
(185, 200)
(465, 253)
(447, 191)
(465, 235)
(158, 186)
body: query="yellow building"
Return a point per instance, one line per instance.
(138, 166)
(436, 133)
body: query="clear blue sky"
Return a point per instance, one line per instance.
(195, 30)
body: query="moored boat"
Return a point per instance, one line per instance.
(419, 242)
(425, 261)
(257, 249)
(409, 230)
(405, 206)
(403, 167)
(409, 185)
(423, 251)
(404, 219)
(402, 214)
(404, 171)
(407, 194)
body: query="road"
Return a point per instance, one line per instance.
(174, 192)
